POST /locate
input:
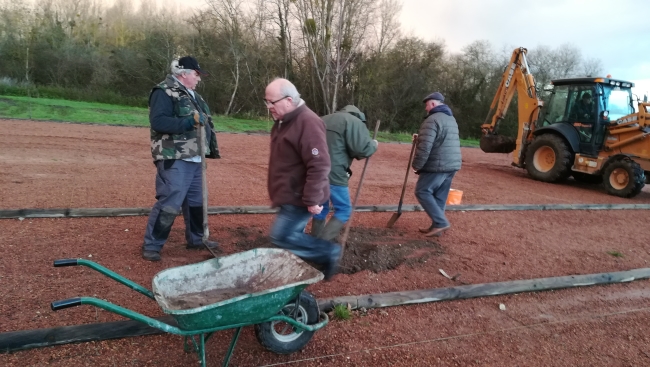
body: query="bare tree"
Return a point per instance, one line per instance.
(228, 17)
(592, 67)
(388, 29)
(333, 31)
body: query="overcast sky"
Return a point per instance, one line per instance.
(615, 31)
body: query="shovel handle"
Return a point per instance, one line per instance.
(204, 189)
(406, 177)
(346, 232)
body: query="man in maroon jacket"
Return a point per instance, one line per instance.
(298, 182)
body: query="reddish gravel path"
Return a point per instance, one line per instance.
(55, 165)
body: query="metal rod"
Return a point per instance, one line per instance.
(231, 349)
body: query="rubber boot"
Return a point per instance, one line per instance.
(332, 229)
(317, 226)
(163, 225)
(193, 222)
(194, 226)
(160, 231)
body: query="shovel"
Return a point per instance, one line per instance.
(356, 196)
(204, 188)
(396, 216)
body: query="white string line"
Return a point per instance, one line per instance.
(458, 336)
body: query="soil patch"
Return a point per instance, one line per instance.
(374, 249)
(379, 250)
(199, 299)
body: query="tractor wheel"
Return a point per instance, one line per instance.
(623, 178)
(587, 178)
(548, 158)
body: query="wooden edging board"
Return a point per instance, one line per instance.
(124, 212)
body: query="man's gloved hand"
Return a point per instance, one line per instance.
(200, 119)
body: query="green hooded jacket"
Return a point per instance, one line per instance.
(347, 138)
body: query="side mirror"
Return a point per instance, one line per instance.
(604, 115)
(645, 98)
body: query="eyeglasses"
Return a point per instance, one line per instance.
(271, 103)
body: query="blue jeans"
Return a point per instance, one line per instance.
(340, 198)
(288, 232)
(178, 186)
(431, 191)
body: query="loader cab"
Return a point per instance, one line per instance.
(588, 105)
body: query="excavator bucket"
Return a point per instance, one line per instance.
(491, 143)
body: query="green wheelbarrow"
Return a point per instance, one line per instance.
(261, 287)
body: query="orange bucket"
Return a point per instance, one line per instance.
(454, 197)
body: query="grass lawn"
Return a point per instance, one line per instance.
(100, 113)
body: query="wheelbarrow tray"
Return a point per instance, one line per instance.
(247, 287)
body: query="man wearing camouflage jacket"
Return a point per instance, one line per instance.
(176, 112)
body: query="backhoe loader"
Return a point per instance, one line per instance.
(588, 129)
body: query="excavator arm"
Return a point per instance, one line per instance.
(516, 78)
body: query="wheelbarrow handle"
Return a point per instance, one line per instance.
(70, 302)
(65, 262)
(109, 273)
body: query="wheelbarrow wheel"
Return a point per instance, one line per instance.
(282, 338)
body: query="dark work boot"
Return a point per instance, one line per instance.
(332, 229)
(213, 245)
(317, 226)
(151, 255)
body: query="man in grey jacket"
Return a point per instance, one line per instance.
(437, 159)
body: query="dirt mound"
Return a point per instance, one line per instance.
(373, 249)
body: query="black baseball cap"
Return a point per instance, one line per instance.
(190, 63)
